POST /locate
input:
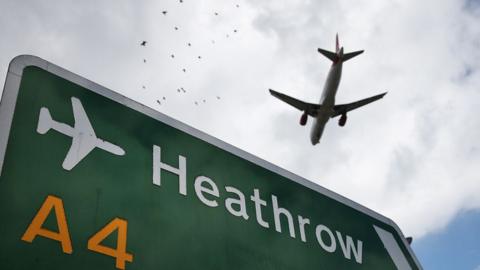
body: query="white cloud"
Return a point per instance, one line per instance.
(411, 156)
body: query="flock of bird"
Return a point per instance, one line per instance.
(182, 90)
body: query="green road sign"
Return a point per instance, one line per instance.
(92, 180)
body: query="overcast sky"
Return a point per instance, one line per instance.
(412, 156)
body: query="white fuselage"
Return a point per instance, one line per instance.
(327, 102)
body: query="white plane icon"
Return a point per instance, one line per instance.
(83, 136)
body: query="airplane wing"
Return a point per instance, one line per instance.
(83, 140)
(310, 108)
(82, 123)
(82, 145)
(344, 108)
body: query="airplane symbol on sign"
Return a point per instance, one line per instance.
(83, 136)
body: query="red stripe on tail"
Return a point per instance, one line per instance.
(337, 45)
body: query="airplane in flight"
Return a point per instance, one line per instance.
(83, 136)
(327, 109)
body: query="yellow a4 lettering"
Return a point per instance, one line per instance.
(63, 236)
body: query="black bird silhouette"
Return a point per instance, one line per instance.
(184, 91)
(199, 57)
(144, 43)
(218, 97)
(238, 6)
(178, 90)
(196, 103)
(235, 30)
(204, 101)
(164, 98)
(181, 1)
(143, 87)
(189, 44)
(144, 60)
(184, 70)
(176, 28)
(164, 12)
(173, 56)
(216, 13)
(159, 103)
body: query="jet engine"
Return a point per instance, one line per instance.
(303, 119)
(343, 120)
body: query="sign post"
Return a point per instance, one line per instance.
(91, 179)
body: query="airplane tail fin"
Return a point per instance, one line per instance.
(44, 121)
(337, 44)
(338, 55)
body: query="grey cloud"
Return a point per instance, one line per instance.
(406, 152)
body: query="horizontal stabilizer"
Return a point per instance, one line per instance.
(330, 55)
(335, 57)
(351, 55)
(310, 108)
(344, 108)
(44, 121)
